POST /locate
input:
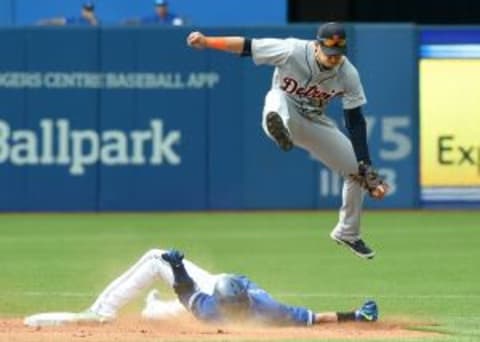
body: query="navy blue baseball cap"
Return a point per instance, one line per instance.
(161, 3)
(89, 6)
(332, 39)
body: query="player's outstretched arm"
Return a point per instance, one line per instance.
(325, 317)
(183, 284)
(368, 312)
(231, 44)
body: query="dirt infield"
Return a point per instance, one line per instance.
(188, 329)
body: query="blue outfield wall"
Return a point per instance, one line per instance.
(390, 77)
(114, 12)
(7, 12)
(112, 119)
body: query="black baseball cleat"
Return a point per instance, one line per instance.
(358, 247)
(278, 131)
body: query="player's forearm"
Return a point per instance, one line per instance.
(230, 44)
(183, 285)
(325, 317)
(357, 129)
(334, 317)
(234, 44)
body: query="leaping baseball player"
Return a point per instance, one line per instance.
(214, 298)
(307, 75)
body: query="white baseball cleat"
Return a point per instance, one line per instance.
(89, 316)
(46, 319)
(157, 309)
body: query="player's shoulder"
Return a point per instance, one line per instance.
(292, 42)
(347, 65)
(297, 43)
(299, 47)
(347, 68)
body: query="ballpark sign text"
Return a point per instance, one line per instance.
(57, 143)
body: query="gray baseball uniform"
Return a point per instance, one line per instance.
(301, 90)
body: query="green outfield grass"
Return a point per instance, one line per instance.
(427, 267)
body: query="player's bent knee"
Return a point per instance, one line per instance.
(153, 253)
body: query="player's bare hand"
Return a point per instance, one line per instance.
(197, 40)
(380, 191)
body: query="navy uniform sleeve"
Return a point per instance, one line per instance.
(204, 307)
(357, 131)
(270, 311)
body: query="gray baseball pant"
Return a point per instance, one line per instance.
(327, 144)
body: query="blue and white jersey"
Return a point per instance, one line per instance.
(169, 19)
(262, 309)
(81, 21)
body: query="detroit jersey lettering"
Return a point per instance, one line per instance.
(308, 86)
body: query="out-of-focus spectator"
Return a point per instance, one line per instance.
(162, 16)
(87, 17)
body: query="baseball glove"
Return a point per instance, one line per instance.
(370, 180)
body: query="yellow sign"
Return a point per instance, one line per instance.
(450, 122)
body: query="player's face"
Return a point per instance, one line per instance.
(327, 61)
(161, 10)
(87, 14)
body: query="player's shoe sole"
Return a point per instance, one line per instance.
(359, 248)
(46, 319)
(278, 131)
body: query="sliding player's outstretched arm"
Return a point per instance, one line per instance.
(183, 284)
(202, 305)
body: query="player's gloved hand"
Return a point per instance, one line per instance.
(370, 180)
(173, 257)
(368, 312)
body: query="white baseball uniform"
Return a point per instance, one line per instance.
(301, 90)
(150, 268)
